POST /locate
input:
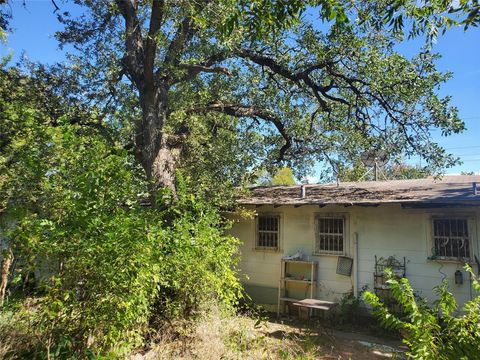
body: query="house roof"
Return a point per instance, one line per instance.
(453, 189)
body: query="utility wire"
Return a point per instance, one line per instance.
(462, 147)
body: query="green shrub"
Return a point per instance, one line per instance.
(72, 209)
(437, 332)
(127, 272)
(349, 310)
(113, 270)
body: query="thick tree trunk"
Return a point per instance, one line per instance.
(158, 154)
(165, 164)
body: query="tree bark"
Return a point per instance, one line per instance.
(157, 151)
(6, 263)
(158, 154)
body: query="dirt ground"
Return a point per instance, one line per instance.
(240, 337)
(332, 343)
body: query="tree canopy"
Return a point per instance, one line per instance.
(283, 176)
(202, 92)
(402, 17)
(396, 170)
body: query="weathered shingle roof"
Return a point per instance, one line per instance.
(449, 189)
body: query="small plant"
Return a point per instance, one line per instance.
(350, 308)
(437, 332)
(247, 307)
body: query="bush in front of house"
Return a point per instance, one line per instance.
(123, 275)
(114, 269)
(436, 332)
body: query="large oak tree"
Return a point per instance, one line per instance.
(319, 87)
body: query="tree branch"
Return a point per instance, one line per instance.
(195, 69)
(55, 6)
(184, 33)
(134, 55)
(151, 42)
(297, 77)
(205, 66)
(270, 63)
(238, 110)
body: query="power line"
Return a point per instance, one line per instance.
(462, 147)
(471, 154)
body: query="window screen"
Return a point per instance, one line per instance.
(451, 238)
(330, 237)
(268, 229)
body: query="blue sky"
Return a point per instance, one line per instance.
(34, 26)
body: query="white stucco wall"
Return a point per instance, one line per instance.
(386, 230)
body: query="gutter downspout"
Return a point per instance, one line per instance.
(355, 264)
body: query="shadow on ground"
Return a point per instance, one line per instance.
(324, 341)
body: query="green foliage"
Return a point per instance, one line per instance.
(117, 266)
(350, 309)
(432, 17)
(284, 176)
(31, 118)
(429, 18)
(396, 171)
(113, 268)
(124, 268)
(401, 170)
(259, 18)
(437, 332)
(298, 94)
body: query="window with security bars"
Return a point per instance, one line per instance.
(330, 237)
(451, 238)
(268, 231)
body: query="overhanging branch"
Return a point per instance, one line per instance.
(194, 69)
(183, 35)
(206, 66)
(251, 111)
(299, 77)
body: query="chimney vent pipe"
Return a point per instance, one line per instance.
(303, 191)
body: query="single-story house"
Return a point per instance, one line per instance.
(344, 233)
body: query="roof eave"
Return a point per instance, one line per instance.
(468, 202)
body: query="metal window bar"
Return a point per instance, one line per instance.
(330, 235)
(451, 238)
(268, 229)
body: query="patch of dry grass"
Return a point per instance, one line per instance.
(220, 336)
(6, 347)
(217, 335)
(18, 335)
(9, 339)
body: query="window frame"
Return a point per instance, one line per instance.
(257, 232)
(342, 216)
(471, 236)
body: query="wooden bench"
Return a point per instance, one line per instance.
(307, 304)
